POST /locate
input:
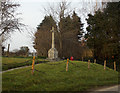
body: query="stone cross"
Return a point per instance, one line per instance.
(53, 53)
(53, 38)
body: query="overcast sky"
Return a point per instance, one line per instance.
(32, 15)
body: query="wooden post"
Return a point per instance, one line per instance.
(114, 63)
(67, 65)
(94, 60)
(114, 66)
(104, 64)
(88, 64)
(33, 63)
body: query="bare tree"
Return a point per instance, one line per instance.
(58, 11)
(9, 21)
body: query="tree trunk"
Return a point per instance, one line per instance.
(60, 41)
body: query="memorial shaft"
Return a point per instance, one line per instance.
(53, 38)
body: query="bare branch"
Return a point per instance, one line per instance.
(9, 21)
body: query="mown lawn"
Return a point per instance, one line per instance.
(9, 62)
(53, 77)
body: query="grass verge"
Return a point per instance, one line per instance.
(53, 77)
(9, 63)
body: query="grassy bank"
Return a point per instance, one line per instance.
(53, 77)
(9, 62)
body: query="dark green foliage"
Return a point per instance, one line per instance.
(103, 32)
(70, 28)
(66, 37)
(43, 36)
(47, 22)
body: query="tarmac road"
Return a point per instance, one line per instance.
(112, 89)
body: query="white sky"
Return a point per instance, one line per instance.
(33, 16)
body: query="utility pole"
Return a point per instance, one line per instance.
(8, 50)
